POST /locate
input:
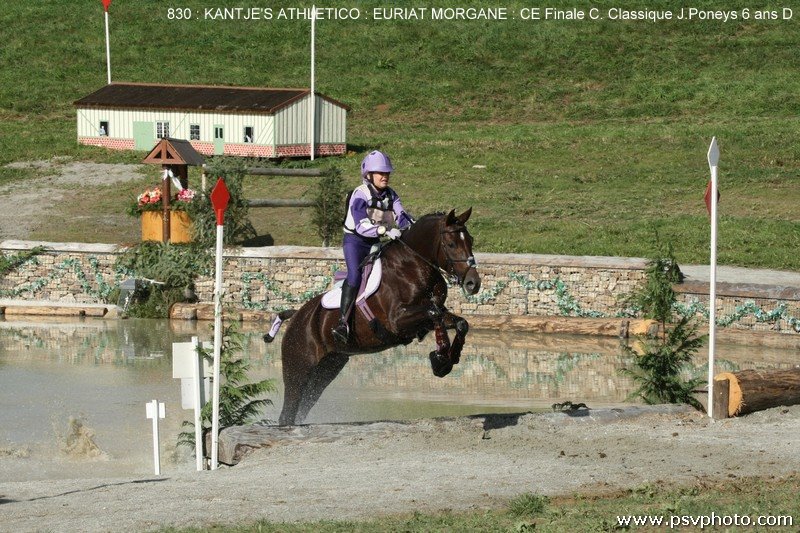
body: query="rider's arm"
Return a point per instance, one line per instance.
(403, 219)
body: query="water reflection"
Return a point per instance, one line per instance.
(104, 371)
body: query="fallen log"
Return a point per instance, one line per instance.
(748, 391)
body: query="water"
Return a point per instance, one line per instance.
(73, 393)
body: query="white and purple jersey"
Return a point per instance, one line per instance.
(368, 209)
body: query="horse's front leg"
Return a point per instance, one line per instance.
(441, 361)
(447, 354)
(461, 326)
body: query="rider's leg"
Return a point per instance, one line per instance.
(342, 330)
(355, 250)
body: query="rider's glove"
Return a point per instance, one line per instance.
(393, 233)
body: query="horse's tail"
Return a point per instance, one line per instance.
(276, 324)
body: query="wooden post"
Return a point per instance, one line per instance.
(165, 194)
(721, 397)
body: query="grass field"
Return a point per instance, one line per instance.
(566, 137)
(743, 502)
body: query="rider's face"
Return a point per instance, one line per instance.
(380, 180)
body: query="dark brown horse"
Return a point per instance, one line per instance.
(408, 304)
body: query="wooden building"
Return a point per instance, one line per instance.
(216, 120)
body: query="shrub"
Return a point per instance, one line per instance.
(238, 227)
(664, 357)
(329, 207)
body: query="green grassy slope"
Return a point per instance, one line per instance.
(590, 132)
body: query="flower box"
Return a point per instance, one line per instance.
(180, 227)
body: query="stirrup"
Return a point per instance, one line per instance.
(341, 333)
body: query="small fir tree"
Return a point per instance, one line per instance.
(664, 357)
(240, 402)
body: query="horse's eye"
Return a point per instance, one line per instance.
(451, 245)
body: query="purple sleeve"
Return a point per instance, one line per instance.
(400, 215)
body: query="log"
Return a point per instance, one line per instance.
(610, 327)
(755, 390)
(54, 310)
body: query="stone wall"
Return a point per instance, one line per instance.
(279, 277)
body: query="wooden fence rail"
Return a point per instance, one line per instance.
(279, 202)
(291, 172)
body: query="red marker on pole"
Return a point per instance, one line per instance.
(220, 196)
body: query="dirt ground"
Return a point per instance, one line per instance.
(364, 470)
(59, 177)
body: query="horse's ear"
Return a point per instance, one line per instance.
(450, 219)
(463, 217)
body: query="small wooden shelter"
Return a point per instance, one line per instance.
(174, 156)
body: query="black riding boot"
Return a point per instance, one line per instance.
(341, 332)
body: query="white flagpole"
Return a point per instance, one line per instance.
(108, 51)
(217, 350)
(313, 111)
(713, 160)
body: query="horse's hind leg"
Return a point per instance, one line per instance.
(318, 380)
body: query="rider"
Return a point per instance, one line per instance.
(373, 210)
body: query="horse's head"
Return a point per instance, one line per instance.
(455, 251)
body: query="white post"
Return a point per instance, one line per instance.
(108, 51)
(713, 160)
(312, 111)
(198, 407)
(217, 350)
(155, 410)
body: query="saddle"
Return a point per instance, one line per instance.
(370, 281)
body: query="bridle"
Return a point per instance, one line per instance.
(450, 271)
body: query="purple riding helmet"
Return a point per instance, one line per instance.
(376, 161)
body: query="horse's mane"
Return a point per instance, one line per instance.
(430, 217)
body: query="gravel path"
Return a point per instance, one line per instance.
(427, 465)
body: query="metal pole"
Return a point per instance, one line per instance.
(217, 350)
(108, 51)
(713, 159)
(312, 122)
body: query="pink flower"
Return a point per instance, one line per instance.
(186, 195)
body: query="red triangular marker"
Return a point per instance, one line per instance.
(219, 199)
(106, 4)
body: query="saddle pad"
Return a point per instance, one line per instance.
(333, 298)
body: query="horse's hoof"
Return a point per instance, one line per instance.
(440, 366)
(268, 338)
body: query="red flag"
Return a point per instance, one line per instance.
(106, 4)
(707, 197)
